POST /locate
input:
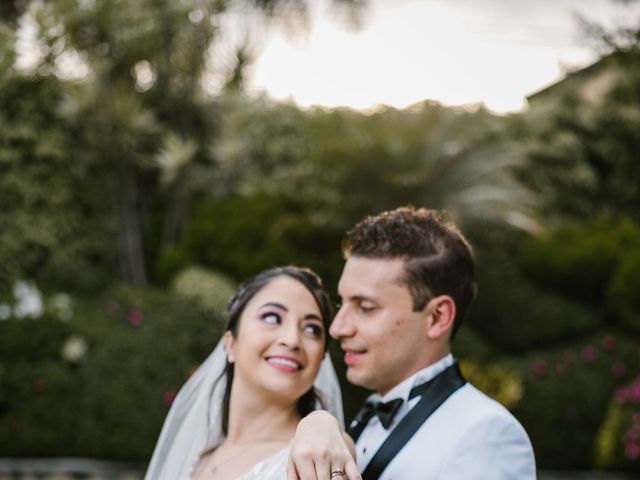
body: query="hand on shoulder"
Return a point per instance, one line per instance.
(319, 448)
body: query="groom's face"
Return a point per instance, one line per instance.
(382, 337)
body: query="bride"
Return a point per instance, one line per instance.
(236, 415)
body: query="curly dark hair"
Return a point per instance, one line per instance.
(438, 259)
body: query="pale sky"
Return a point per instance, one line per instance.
(456, 52)
(453, 51)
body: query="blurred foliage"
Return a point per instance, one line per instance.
(582, 160)
(211, 290)
(500, 383)
(136, 105)
(460, 161)
(618, 443)
(133, 349)
(582, 155)
(514, 313)
(580, 260)
(596, 263)
(624, 291)
(58, 221)
(567, 390)
(244, 235)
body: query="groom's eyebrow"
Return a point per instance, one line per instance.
(359, 298)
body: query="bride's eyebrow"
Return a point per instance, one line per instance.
(276, 305)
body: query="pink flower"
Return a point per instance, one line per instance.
(609, 342)
(633, 434)
(589, 353)
(113, 306)
(539, 367)
(135, 317)
(168, 397)
(634, 393)
(622, 395)
(618, 369)
(632, 451)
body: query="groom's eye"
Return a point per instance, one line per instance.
(367, 307)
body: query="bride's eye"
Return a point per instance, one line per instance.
(314, 329)
(270, 318)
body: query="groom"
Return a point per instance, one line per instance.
(406, 286)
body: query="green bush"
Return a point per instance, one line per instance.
(39, 399)
(499, 382)
(211, 290)
(580, 260)
(618, 444)
(624, 291)
(242, 236)
(470, 345)
(566, 393)
(100, 384)
(52, 197)
(516, 315)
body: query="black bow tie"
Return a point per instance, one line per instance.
(384, 411)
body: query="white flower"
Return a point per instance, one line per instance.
(61, 305)
(5, 311)
(74, 349)
(28, 300)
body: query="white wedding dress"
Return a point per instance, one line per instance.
(271, 468)
(193, 423)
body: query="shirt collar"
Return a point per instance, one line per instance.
(403, 389)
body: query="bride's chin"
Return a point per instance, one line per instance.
(286, 394)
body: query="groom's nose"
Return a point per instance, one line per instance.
(342, 326)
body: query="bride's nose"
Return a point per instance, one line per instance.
(290, 335)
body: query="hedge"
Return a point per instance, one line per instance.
(100, 384)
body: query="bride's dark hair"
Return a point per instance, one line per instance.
(313, 283)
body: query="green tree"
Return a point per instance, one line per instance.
(347, 164)
(56, 219)
(136, 106)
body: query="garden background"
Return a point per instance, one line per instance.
(132, 203)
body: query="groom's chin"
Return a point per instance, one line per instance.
(358, 377)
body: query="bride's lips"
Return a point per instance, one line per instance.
(284, 363)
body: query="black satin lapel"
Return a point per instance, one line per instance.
(436, 393)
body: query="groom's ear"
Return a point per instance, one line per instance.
(440, 312)
(229, 344)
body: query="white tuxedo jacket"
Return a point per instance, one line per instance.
(470, 437)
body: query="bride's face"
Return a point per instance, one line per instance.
(280, 341)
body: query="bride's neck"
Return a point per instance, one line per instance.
(256, 418)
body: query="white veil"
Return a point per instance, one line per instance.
(193, 423)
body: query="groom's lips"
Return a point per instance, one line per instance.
(351, 357)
